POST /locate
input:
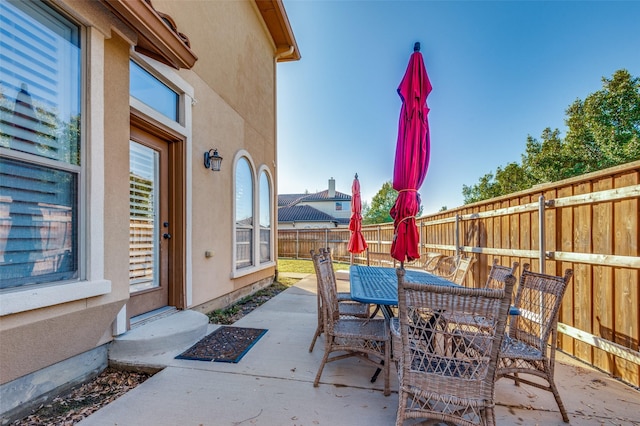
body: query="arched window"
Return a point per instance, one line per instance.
(244, 214)
(265, 218)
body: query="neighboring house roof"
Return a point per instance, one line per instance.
(304, 214)
(289, 199)
(343, 220)
(324, 196)
(293, 199)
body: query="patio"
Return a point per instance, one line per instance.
(273, 384)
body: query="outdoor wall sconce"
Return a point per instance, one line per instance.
(212, 160)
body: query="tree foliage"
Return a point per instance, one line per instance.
(603, 131)
(381, 204)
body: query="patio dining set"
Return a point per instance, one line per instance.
(447, 343)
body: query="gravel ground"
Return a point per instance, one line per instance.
(70, 408)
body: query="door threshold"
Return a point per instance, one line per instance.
(150, 316)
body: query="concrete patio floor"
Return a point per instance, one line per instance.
(273, 384)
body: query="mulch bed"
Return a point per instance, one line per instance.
(83, 400)
(225, 344)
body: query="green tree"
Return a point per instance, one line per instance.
(603, 131)
(381, 204)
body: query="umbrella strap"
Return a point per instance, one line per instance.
(408, 190)
(406, 218)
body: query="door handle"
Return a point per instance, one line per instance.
(166, 236)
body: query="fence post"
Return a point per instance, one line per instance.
(457, 234)
(541, 236)
(297, 243)
(326, 237)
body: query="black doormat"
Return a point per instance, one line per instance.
(225, 344)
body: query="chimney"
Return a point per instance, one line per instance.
(332, 188)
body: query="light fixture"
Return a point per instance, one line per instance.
(212, 160)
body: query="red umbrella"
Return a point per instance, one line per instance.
(357, 244)
(412, 157)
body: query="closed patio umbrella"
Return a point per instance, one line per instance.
(412, 157)
(357, 244)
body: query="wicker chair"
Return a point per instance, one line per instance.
(498, 273)
(525, 349)
(368, 339)
(447, 369)
(454, 268)
(347, 307)
(431, 261)
(446, 266)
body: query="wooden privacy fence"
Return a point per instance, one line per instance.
(588, 223)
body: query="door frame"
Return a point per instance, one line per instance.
(176, 276)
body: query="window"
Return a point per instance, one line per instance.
(338, 206)
(253, 216)
(265, 218)
(151, 91)
(40, 152)
(244, 214)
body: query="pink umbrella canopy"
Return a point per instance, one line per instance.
(357, 244)
(412, 157)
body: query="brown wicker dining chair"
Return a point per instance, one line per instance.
(431, 260)
(526, 349)
(347, 306)
(496, 280)
(446, 266)
(498, 273)
(368, 339)
(446, 369)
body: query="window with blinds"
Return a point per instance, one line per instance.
(244, 214)
(265, 218)
(40, 162)
(143, 217)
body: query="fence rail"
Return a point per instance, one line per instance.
(588, 223)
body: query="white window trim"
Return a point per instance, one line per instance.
(257, 266)
(91, 200)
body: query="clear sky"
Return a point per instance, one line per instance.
(500, 71)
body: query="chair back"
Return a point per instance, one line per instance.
(446, 266)
(431, 260)
(464, 266)
(448, 357)
(498, 273)
(326, 287)
(538, 299)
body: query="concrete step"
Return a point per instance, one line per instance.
(153, 344)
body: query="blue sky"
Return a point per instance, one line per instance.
(500, 71)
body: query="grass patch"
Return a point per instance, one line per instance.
(304, 266)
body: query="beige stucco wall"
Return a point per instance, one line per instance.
(234, 86)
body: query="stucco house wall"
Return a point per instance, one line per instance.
(231, 106)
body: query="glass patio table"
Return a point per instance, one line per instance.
(379, 285)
